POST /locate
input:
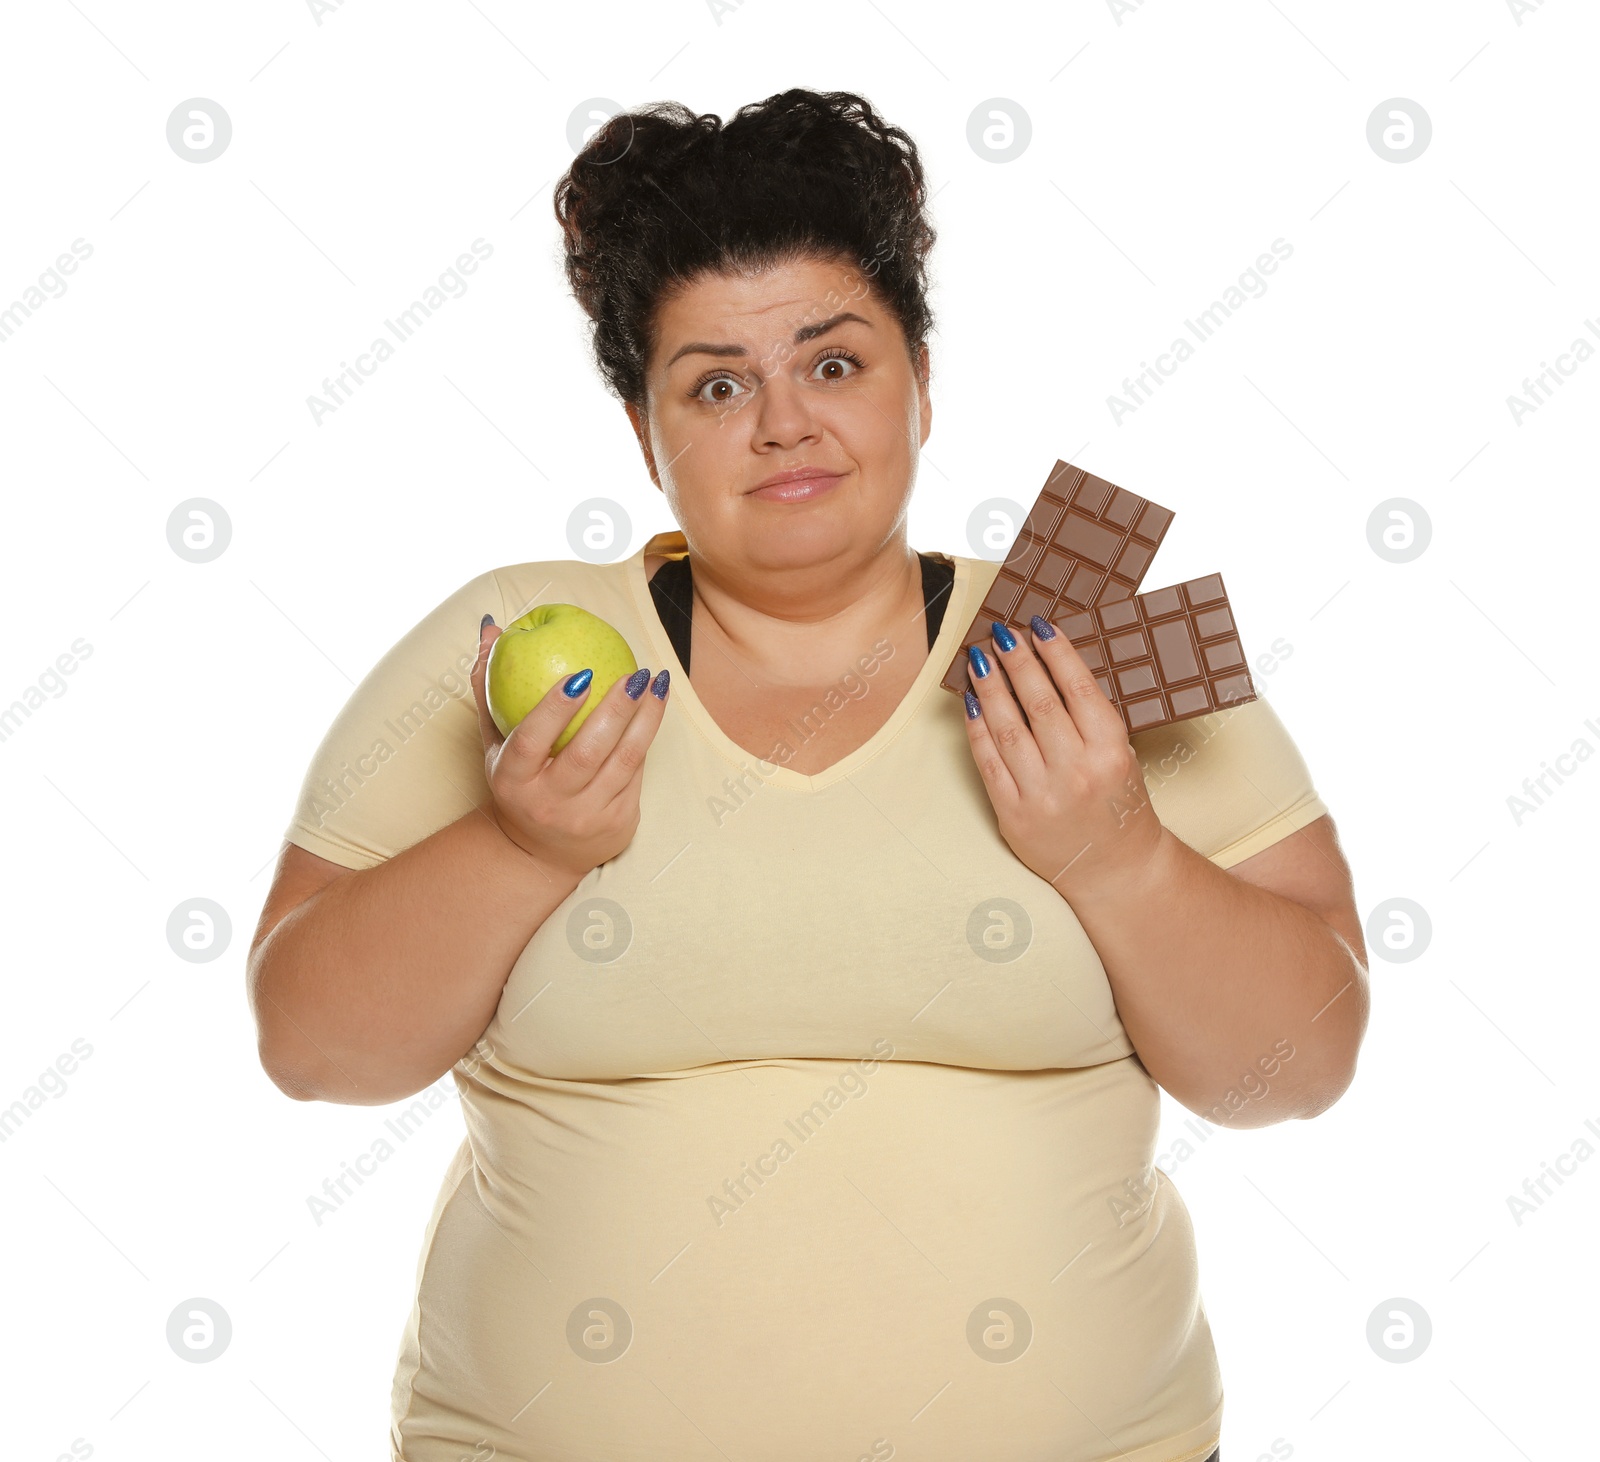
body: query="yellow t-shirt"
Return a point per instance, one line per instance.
(806, 1127)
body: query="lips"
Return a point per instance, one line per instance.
(796, 475)
(798, 485)
(798, 489)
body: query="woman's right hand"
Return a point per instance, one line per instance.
(573, 811)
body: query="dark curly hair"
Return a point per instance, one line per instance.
(660, 197)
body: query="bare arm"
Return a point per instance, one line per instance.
(1244, 990)
(369, 985)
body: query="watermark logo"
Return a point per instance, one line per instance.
(199, 530)
(1399, 930)
(1399, 1330)
(199, 1330)
(199, 930)
(599, 1330)
(993, 526)
(199, 130)
(599, 529)
(1399, 130)
(999, 1330)
(999, 930)
(999, 130)
(599, 931)
(1399, 530)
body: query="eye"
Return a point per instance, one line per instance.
(712, 378)
(839, 353)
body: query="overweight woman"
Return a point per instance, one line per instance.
(808, 1027)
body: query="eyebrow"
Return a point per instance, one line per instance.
(803, 334)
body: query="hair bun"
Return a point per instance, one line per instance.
(660, 195)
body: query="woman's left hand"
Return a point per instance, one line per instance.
(1064, 780)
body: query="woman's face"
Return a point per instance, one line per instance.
(797, 366)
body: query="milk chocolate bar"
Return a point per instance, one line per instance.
(1164, 656)
(1085, 542)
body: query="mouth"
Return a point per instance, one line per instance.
(798, 485)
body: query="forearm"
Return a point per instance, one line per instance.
(1246, 1006)
(376, 985)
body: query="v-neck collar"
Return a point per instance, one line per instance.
(956, 618)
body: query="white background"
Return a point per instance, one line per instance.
(1169, 148)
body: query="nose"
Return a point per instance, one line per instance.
(783, 413)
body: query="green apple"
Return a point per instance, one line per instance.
(546, 645)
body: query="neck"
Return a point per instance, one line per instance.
(808, 627)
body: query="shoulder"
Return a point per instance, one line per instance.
(1228, 783)
(561, 580)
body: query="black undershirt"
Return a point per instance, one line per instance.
(672, 588)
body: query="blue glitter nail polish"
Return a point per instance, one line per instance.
(980, 661)
(636, 684)
(658, 686)
(1042, 627)
(1002, 635)
(974, 706)
(577, 684)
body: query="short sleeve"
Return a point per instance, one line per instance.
(404, 756)
(1230, 783)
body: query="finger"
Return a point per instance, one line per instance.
(1098, 722)
(488, 633)
(1053, 730)
(624, 768)
(531, 742)
(1006, 726)
(610, 744)
(991, 765)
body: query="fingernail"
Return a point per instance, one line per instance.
(1042, 627)
(1002, 635)
(658, 686)
(577, 684)
(974, 706)
(484, 624)
(636, 684)
(980, 661)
